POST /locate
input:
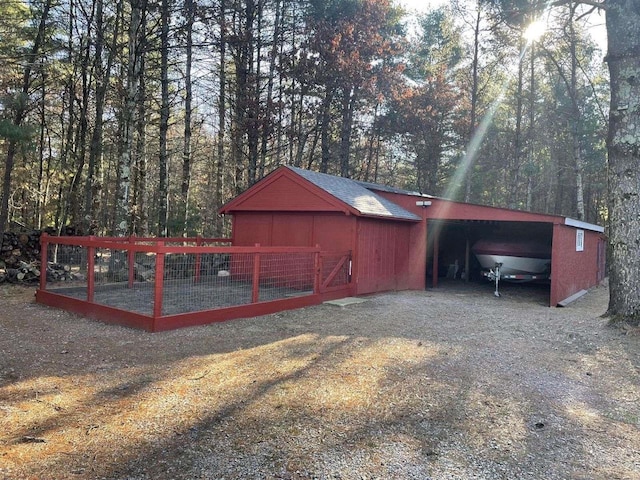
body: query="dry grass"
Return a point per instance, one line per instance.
(443, 384)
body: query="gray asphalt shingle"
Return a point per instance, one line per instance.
(355, 195)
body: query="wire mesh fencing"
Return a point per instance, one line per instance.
(160, 278)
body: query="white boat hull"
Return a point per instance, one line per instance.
(515, 265)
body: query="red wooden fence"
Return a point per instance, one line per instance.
(161, 284)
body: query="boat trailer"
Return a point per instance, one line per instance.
(494, 275)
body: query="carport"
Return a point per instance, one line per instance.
(578, 249)
(450, 241)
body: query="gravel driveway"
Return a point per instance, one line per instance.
(450, 383)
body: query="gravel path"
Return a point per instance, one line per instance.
(444, 384)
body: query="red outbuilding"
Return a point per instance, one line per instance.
(401, 240)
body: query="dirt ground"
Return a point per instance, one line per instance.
(451, 383)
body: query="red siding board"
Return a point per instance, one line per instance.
(244, 311)
(292, 230)
(334, 232)
(285, 194)
(252, 228)
(383, 256)
(572, 271)
(134, 320)
(442, 209)
(417, 266)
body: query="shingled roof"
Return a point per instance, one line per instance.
(356, 195)
(376, 187)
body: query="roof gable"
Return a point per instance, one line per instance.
(295, 189)
(284, 191)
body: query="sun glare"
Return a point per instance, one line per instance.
(535, 30)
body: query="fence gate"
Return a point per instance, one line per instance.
(335, 270)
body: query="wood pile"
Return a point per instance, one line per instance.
(18, 247)
(58, 272)
(20, 257)
(20, 262)
(24, 273)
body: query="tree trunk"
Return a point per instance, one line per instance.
(474, 101)
(517, 147)
(531, 153)
(140, 193)
(576, 116)
(348, 105)
(186, 151)
(623, 143)
(140, 198)
(18, 117)
(43, 123)
(93, 186)
(252, 114)
(373, 138)
(163, 161)
(325, 127)
(222, 111)
(269, 114)
(242, 96)
(80, 143)
(122, 217)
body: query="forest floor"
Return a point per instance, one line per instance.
(450, 383)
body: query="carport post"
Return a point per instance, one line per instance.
(467, 254)
(436, 248)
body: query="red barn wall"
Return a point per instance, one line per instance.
(376, 266)
(414, 272)
(387, 255)
(572, 271)
(410, 268)
(390, 256)
(332, 231)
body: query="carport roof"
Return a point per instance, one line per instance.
(386, 188)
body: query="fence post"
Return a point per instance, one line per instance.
(131, 261)
(159, 281)
(44, 250)
(317, 267)
(255, 284)
(91, 258)
(198, 260)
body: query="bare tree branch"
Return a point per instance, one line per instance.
(594, 3)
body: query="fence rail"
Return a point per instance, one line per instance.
(158, 284)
